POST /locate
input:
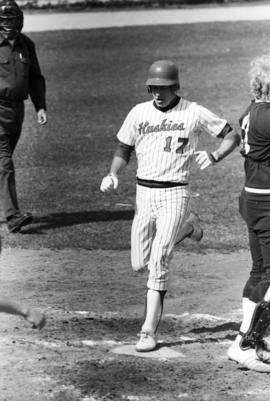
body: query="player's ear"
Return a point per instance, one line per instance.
(149, 89)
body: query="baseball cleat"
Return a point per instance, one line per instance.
(197, 231)
(191, 229)
(247, 358)
(16, 222)
(147, 342)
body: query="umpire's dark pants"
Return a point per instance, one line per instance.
(11, 120)
(255, 210)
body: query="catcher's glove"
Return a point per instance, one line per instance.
(263, 351)
(109, 183)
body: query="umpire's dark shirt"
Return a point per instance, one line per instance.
(20, 74)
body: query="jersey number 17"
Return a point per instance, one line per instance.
(180, 149)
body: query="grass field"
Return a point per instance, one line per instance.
(93, 78)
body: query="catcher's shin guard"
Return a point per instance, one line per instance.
(258, 326)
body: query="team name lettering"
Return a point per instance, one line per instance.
(146, 128)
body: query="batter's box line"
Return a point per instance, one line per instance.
(58, 345)
(196, 323)
(234, 316)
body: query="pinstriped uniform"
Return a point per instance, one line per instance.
(165, 142)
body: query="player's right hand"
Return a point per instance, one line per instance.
(109, 183)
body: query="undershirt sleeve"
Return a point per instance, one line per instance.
(225, 131)
(124, 151)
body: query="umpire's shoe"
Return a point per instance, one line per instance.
(247, 358)
(17, 221)
(190, 229)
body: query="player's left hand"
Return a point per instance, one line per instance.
(204, 159)
(42, 117)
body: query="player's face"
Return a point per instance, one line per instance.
(162, 95)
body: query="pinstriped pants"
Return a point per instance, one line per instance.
(159, 214)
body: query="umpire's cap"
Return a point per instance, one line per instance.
(163, 73)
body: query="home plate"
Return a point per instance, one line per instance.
(158, 353)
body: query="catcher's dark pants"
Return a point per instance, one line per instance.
(11, 120)
(255, 210)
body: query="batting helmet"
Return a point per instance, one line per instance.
(11, 18)
(163, 73)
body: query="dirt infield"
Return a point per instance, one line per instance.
(94, 305)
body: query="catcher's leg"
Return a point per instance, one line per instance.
(258, 282)
(247, 349)
(256, 316)
(248, 301)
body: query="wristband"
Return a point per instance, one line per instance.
(212, 158)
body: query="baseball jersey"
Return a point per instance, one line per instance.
(255, 147)
(165, 141)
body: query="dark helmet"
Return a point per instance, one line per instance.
(163, 73)
(11, 17)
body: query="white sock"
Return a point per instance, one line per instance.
(248, 311)
(153, 311)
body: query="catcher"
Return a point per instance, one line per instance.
(250, 348)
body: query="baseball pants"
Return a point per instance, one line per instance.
(257, 217)
(159, 214)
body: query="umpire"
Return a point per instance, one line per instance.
(20, 77)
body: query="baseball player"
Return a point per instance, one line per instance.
(164, 133)
(249, 348)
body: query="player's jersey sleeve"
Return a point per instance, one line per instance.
(244, 122)
(244, 115)
(128, 131)
(210, 122)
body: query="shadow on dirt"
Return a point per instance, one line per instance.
(126, 329)
(57, 220)
(223, 327)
